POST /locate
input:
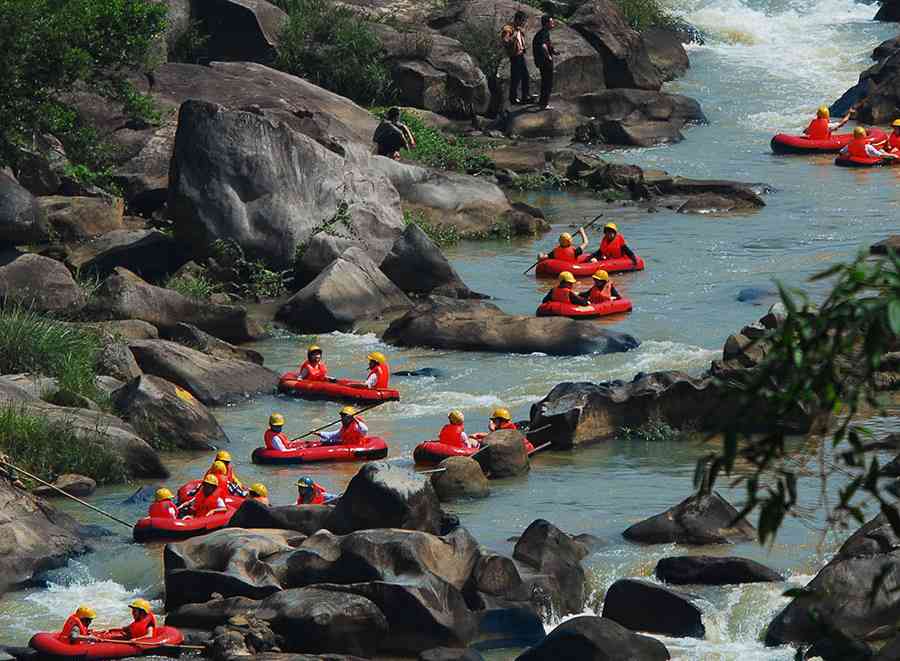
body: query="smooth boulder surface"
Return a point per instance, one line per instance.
(643, 606)
(589, 638)
(214, 381)
(39, 283)
(699, 519)
(889, 11)
(547, 550)
(713, 570)
(74, 485)
(82, 218)
(191, 336)
(241, 30)
(450, 654)
(416, 265)
(160, 409)
(123, 295)
(504, 454)
(305, 519)
(666, 50)
(21, 218)
(471, 326)
(148, 253)
(462, 477)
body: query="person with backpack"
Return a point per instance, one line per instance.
(513, 41)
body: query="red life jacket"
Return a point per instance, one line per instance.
(856, 148)
(894, 141)
(612, 249)
(601, 294)
(561, 295)
(318, 496)
(452, 435)
(564, 254)
(382, 375)
(509, 424)
(163, 509)
(72, 622)
(270, 435)
(316, 372)
(818, 129)
(140, 627)
(204, 504)
(351, 434)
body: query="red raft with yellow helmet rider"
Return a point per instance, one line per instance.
(602, 299)
(452, 441)
(862, 153)
(819, 137)
(613, 256)
(311, 381)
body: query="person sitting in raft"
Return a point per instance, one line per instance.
(234, 484)
(820, 128)
(501, 419)
(565, 251)
(208, 500)
(893, 143)
(274, 438)
(309, 493)
(612, 246)
(163, 506)
(143, 623)
(860, 147)
(454, 435)
(314, 368)
(379, 372)
(602, 290)
(77, 625)
(352, 432)
(259, 493)
(563, 292)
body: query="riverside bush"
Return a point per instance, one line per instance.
(194, 286)
(646, 14)
(442, 235)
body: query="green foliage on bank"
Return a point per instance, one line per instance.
(442, 235)
(195, 286)
(646, 14)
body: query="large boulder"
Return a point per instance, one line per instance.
(240, 30)
(193, 337)
(460, 477)
(21, 218)
(123, 295)
(214, 381)
(350, 290)
(889, 11)
(39, 283)
(699, 519)
(644, 606)
(71, 483)
(82, 218)
(306, 519)
(471, 326)
(713, 570)
(504, 454)
(881, 248)
(161, 410)
(151, 254)
(589, 638)
(666, 50)
(417, 266)
(548, 551)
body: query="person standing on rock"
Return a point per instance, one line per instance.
(613, 246)
(352, 432)
(563, 292)
(513, 39)
(543, 51)
(392, 136)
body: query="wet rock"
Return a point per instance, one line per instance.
(637, 134)
(241, 30)
(242, 637)
(123, 295)
(547, 550)
(889, 11)
(39, 283)
(148, 253)
(699, 519)
(117, 361)
(168, 413)
(705, 195)
(886, 48)
(350, 290)
(881, 248)
(496, 575)
(462, 477)
(595, 639)
(471, 326)
(561, 120)
(643, 606)
(306, 519)
(450, 654)
(755, 295)
(214, 381)
(428, 372)
(713, 570)
(125, 329)
(876, 94)
(82, 218)
(417, 266)
(505, 454)
(193, 337)
(72, 484)
(21, 217)
(666, 52)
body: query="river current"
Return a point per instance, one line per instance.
(765, 67)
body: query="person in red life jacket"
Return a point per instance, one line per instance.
(565, 251)
(352, 432)
(860, 147)
(893, 143)
(234, 485)
(501, 419)
(143, 623)
(77, 625)
(613, 246)
(309, 493)
(821, 127)
(163, 506)
(379, 372)
(259, 493)
(454, 433)
(563, 292)
(209, 500)
(275, 438)
(603, 289)
(314, 369)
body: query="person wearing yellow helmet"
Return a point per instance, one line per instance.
(231, 481)
(501, 419)
(274, 437)
(612, 246)
(314, 368)
(209, 499)
(602, 289)
(565, 251)
(143, 624)
(564, 293)
(352, 431)
(77, 625)
(893, 143)
(861, 148)
(379, 371)
(163, 506)
(259, 493)
(454, 433)
(821, 127)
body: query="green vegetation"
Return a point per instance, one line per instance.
(645, 14)
(194, 286)
(251, 279)
(481, 40)
(331, 46)
(191, 45)
(656, 431)
(539, 181)
(50, 448)
(340, 225)
(442, 235)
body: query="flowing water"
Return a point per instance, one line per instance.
(766, 66)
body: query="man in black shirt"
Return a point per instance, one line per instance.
(543, 50)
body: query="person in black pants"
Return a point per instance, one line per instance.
(543, 49)
(514, 42)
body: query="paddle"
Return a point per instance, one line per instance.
(585, 227)
(93, 639)
(540, 447)
(318, 429)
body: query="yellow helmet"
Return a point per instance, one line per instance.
(378, 357)
(565, 240)
(456, 417)
(611, 226)
(565, 276)
(601, 275)
(141, 604)
(823, 112)
(348, 410)
(219, 468)
(859, 132)
(259, 489)
(163, 494)
(223, 455)
(501, 413)
(896, 122)
(312, 348)
(86, 612)
(211, 479)
(276, 420)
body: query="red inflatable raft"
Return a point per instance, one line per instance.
(47, 644)
(433, 452)
(341, 390)
(554, 309)
(374, 447)
(583, 268)
(159, 527)
(851, 162)
(784, 143)
(188, 489)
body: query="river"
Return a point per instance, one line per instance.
(766, 66)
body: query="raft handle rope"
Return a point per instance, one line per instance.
(94, 639)
(313, 431)
(584, 227)
(67, 495)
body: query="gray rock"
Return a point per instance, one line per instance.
(699, 519)
(591, 638)
(148, 253)
(462, 477)
(713, 570)
(504, 454)
(889, 11)
(416, 265)
(39, 283)
(666, 51)
(117, 361)
(241, 30)
(74, 485)
(81, 218)
(21, 217)
(547, 550)
(881, 248)
(450, 654)
(193, 337)
(644, 606)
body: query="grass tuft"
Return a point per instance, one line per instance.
(196, 287)
(656, 431)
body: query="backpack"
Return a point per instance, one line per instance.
(508, 44)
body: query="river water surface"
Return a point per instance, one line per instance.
(766, 66)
